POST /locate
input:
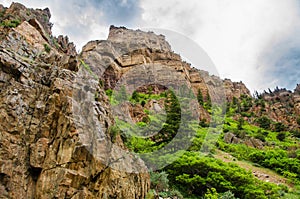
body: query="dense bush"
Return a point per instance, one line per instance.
(278, 127)
(281, 136)
(196, 174)
(47, 48)
(296, 133)
(246, 103)
(277, 160)
(264, 122)
(159, 181)
(10, 23)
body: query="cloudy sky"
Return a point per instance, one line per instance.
(257, 41)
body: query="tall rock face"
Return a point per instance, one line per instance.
(136, 58)
(126, 51)
(46, 148)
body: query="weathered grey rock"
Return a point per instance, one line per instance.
(255, 143)
(230, 138)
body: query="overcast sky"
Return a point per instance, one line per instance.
(255, 41)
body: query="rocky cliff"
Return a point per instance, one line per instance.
(46, 149)
(281, 105)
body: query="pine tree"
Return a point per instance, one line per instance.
(208, 101)
(240, 123)
(200, 97)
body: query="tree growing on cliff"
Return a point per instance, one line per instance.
(200, 97)
(208, 103)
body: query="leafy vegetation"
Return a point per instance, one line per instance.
(200, 98)
(195, 175)
(10, 23)
(47, 48)
(264, 122)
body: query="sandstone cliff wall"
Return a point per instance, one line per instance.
(46, 148)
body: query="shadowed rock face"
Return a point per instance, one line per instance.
(46, 149)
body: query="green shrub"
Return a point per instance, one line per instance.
(47, 48)
(146, 120)
(281, 136)
(276, 160)
(175, 193)
(135, 97)
(240, 123)
(296, 133)
(109, 92)
(278, 127)
(196, 174)
(150, 194)
(203, 123)
(113, 131)
(159, 181)
(10, 23)
(227, 195)
(211, 194)
(208, 103)
(264, 122)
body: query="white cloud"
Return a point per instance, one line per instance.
(234, 33)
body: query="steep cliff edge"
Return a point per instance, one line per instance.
(45, 149)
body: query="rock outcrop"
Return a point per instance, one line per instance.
(280, 105)
(235, 89)
(47, 147)
(231, 138)
(135, 59)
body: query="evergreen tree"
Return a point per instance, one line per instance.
(240, 123)
(135, 96)
(208, 101)
(200, 97)
(173, 119)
